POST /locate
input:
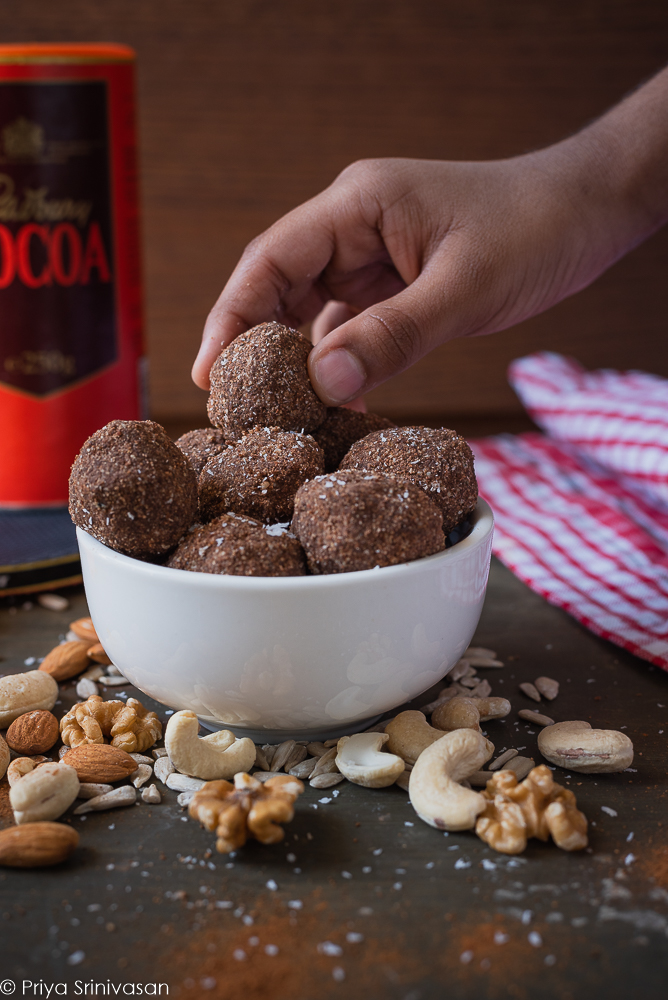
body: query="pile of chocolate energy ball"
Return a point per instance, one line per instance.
(280, 485)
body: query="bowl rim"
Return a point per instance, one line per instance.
(483, 524)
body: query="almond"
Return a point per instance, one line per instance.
(66, 660)
(34, 732)
(36, 844)
(98, 654)
(100, 762)
(84, 628)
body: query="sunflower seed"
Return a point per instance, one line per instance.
(283, 753)
(326, 780)
(296, 757)
(502, 759)
(479, 652)
(548, 688)
(521, 766)
(481, 662)
(123, 796)
(269, 749)
(530, 691)
(479, 779)
(326, 764)
(482, 690)
(535, 717)
(316, 749)
(303, 770)
(331, 743)
(469, 682)
(91, 789)
(266, 775)
(260, 759)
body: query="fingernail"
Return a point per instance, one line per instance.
(339, 375)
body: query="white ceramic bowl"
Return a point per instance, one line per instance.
(280, 657)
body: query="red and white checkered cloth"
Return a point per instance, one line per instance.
(582, 512)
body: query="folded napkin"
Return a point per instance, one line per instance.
(582, 511)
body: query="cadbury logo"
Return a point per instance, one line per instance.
(36, 206)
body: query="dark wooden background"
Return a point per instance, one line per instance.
(248, 107)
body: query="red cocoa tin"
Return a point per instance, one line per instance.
(70, 283)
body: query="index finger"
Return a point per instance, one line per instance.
(276, 278)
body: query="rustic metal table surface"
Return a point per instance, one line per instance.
(362, 899)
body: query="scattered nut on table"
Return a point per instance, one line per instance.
(130, 726)
(36, 845)
(21, 693)
(44, 793)
(84, 629)
(529, 690)
(434, 787)
(33, 732)
(578, 747)
(115, 799)
(548, 687)
(537, 718)
(536, 807)
(246, 809)
(360, 759)
(66, 660)
(220, 755)
(410, 734)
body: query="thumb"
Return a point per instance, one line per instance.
(382, 341)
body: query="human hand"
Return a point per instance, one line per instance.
(410, 254)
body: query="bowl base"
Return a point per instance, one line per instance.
(275, 736)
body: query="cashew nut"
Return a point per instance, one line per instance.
(4, 757)
(492, 708)
(360, 759)
(21, 766)
(410, 734)
(434, 788)
(577, 747)
(220, 755)
(44, 793)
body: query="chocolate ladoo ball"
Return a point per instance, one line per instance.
(239, 546)
(439, 461)
(351, 520)
(341, 428)
(133, 489)
(201, 445)
(260, 475)
(261, 380)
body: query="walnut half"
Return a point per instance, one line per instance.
(247, 808)
(535, 807)
(131, 726)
